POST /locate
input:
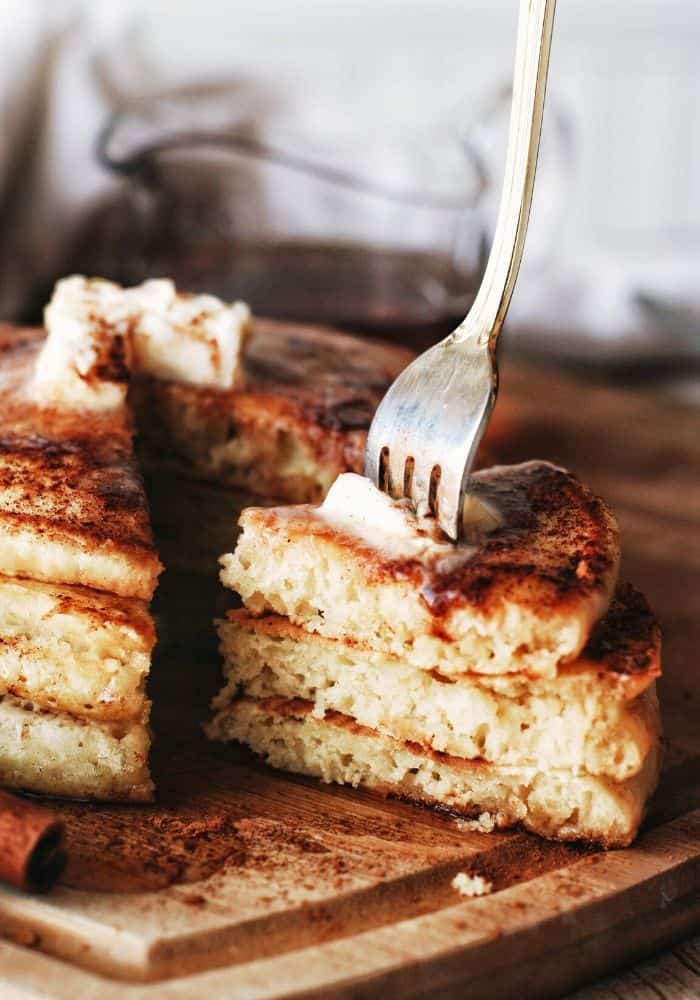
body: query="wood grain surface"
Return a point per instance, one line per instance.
(244, 882)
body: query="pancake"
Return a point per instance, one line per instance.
(74, 650)
(553, 803)
(507, 678)
(521, 595)
(300, 418)
(598, 715)
(72, 504)
(58, 754)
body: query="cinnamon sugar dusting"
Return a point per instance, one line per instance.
(112, 849)
(66, 477)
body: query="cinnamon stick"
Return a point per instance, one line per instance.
(32, 852)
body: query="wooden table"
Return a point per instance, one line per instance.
(673, 975)
(244, 882)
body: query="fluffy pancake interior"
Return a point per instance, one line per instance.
(74, 650)
(585, 719)
(26, 550)
(552, 803)
(523, 600)
(58, 754)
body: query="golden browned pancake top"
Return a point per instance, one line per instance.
(301, 414)
(328, 379)
(558, 545)
(627, 641)
(70, 477)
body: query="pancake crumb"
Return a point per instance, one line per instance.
(471, 885)
(485, 823)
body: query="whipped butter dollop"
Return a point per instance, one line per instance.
(98, 333)
(355, 505)
(190, 338)
(87, 356)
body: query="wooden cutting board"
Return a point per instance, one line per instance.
(245, 882)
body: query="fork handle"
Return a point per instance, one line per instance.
(485, 318)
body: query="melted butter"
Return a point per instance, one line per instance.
(355, 505)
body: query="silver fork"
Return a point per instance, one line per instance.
(426, 431)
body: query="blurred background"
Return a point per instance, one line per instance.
(341, 162)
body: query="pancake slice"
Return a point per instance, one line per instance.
(53, 753)
(521, 596)
(553, 803)
(508, 678)
(599, 715)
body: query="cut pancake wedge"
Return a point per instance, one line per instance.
(524, 598)
(599, 715)
(553, 803)
(507, 678)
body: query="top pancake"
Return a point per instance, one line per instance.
(524, 599)
(72, 504)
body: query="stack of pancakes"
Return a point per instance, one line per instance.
(77, 568)
(509, 679)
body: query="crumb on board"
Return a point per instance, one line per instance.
(485, 823)
(471, 885)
